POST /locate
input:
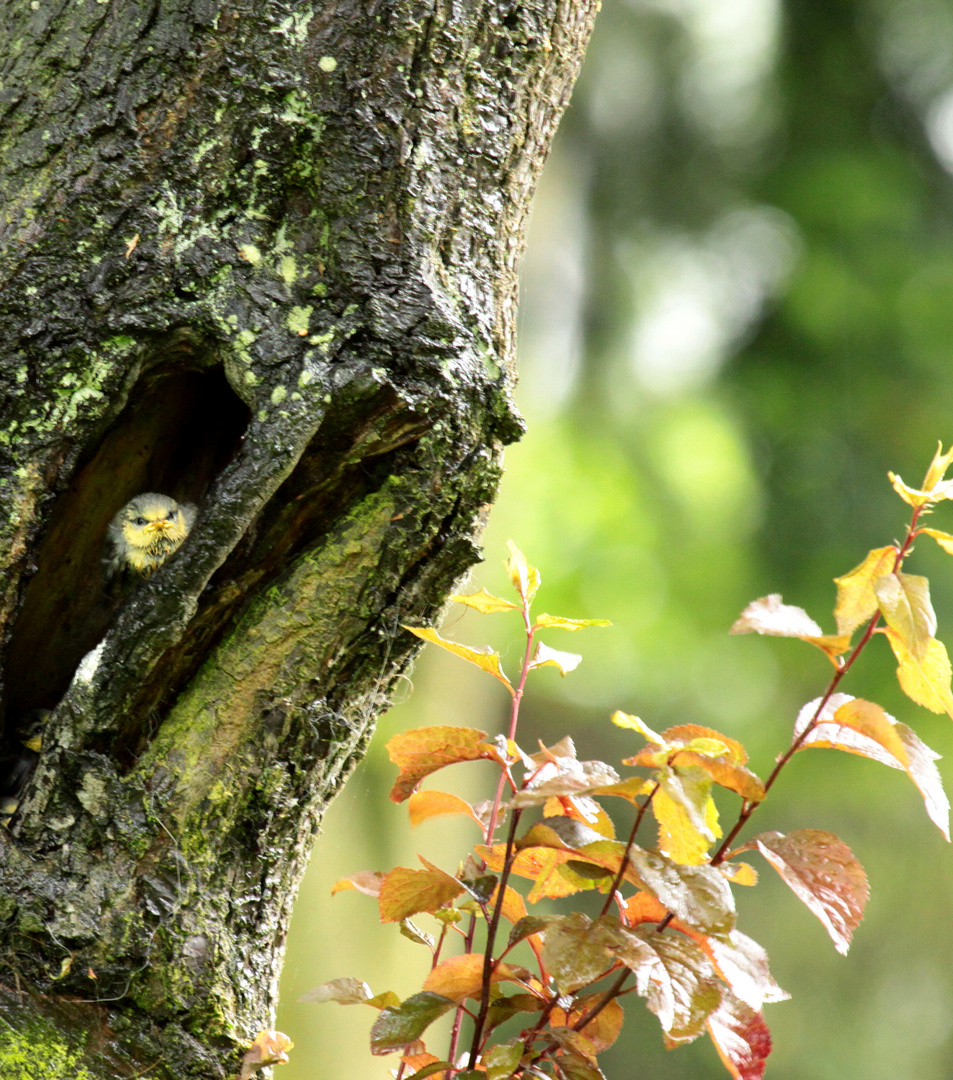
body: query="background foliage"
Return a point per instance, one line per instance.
(736, 319)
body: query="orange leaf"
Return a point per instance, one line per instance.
(602, 1031)
(687, 734)
(428, 804)
(856, 600)
(462, 976)
(405, 892)
(422, 751)
(539, 864)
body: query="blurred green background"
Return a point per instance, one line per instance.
(737, 315)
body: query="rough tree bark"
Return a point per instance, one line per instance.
(259, 255)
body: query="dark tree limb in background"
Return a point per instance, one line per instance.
(260, 256)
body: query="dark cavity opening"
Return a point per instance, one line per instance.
(179, 429)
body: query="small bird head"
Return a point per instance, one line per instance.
(146, 531)
(30, 729)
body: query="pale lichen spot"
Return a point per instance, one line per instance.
(289, 269)
(327, 63)
(262, 415)
(305, 377)
(250, 253)
(278, 395)
(298, 319)
(251, 379)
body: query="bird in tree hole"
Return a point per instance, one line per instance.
(145, 532)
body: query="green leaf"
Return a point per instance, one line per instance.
(528, 925)
(697, 895)
(557, 622)
(486, 603)
(429, 1070)
(416, 935)
(502, 1061)
(576, 951)
(398, 1026)
(682, 989)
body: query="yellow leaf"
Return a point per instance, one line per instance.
(904, 601)
(927, 680)
(557, 622)
(832, 646)
(740, 873)
(486, 659)
(428, 804)
(856, 599)
(944, 539)
(485, 602)
(678, 837)
(633, 723)
(938, 466)
(525, 578)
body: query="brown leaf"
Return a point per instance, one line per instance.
(821, 871)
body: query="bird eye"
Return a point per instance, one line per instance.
(140, 520)
(171, 515)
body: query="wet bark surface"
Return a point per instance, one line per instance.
(260, 257)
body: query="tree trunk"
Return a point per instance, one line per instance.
(260, 257)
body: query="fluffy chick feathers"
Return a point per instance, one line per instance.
(146, 531)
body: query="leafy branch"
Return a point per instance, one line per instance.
(668, 923)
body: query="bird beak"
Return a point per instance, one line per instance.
(158, 526)
(35, 744)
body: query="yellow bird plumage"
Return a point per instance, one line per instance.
(16, 769)
(146, 531)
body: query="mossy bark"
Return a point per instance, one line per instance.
(260, 256)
